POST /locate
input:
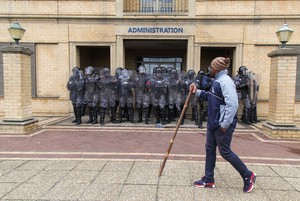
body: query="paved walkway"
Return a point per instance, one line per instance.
(138, 180)
(66, 162)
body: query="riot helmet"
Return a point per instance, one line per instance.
(89, 70)
(106, 72)
(154, 70)
(158, 72)
(173, 73)
(141, 69)
(201, 73)
(242, 70)
(191, 74)
(118, 72)
(124, 74)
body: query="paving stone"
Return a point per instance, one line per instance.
(175, 180)
(211, 194)
(91, 165)
(111, 178)
(9, 165)
(34, 165)
(7, 187)
(117, 166)
(138, 192)
(226, 168)
(99, 192)
(146, 166)
(283, 195)
(28, 191)
(65, 191)
(49, 177)
(197, 168)
(80, 176)
(141, 177)
(295, 182)
(264, 171)
(176, 167)
(254, 195)
(62, 165)
(273, 183)
(287, 171)
(17, 176)
(181, 193)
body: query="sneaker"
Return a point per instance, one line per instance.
(203, 183)
(249, 183)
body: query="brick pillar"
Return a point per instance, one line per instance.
(283, 72)
(17, 90)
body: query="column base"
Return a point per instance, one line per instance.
(18, 127)
(281, 131)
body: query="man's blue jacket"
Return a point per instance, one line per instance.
(222, 101)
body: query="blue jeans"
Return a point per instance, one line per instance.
(214, 138)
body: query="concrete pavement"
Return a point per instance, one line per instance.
(58, 179)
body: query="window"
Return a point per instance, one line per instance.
(155, 6)
(33, 75)
(168, 62)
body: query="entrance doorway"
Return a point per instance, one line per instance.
(96, 56)
(168, 62)
(155, 53)
(209, 53)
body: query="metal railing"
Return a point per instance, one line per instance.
(155, 6)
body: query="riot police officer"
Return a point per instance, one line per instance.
(176, 93)
(159, 88)
(194, 103)
(75, 86)
(142, 94)
(125, 88)
(108, 90)
(91, 97)
(242, 82)
(205, 83)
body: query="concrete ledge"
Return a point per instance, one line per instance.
(284, 52)
(14, 127)
(16, 49)
(281, 131)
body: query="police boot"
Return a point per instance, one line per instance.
(131, 114)
(102, 115)
(149, 111)
(83, 110)
(170, 114)
(246, 116)
(79, 112)
(167, 115)
(121, 110)
(195, 111)
(163, 116)
(201, 119)
(91, 115)
(146, 110)
(193, 114)
(75, 113)
(113, 115)
(254, 115)
(95, 115)
(140, 114)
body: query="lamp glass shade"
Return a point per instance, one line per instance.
(284, 34)
(16, 31)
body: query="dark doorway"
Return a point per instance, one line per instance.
(97, 57)
(152, 53)
(209, 53)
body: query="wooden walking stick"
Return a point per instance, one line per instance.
(175, 132)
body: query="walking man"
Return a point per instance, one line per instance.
(222, 119)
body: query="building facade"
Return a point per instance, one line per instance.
(186, 34)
